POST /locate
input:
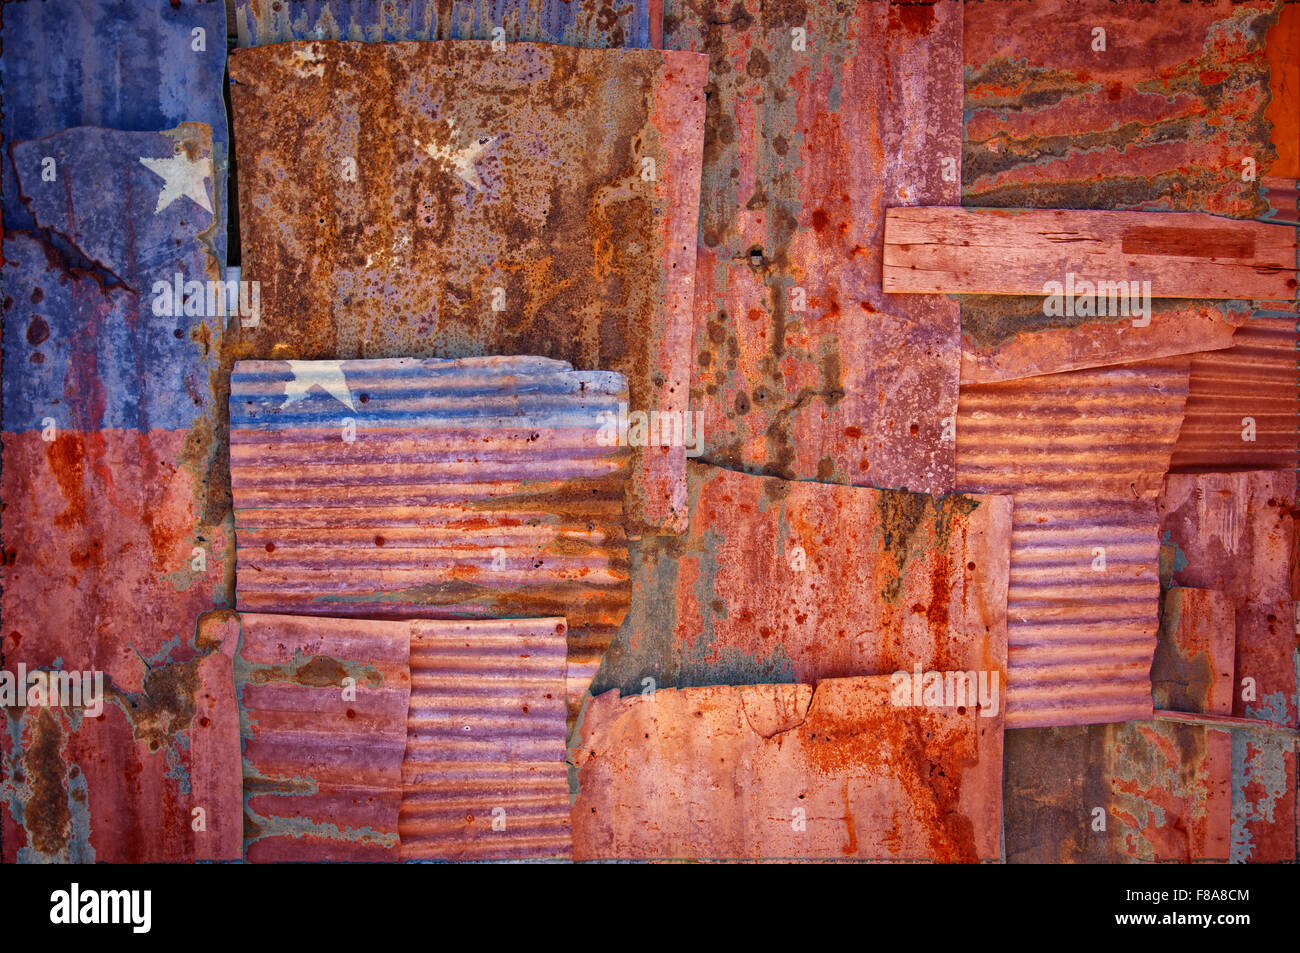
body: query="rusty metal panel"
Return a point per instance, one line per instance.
(1265, 813)
(473, 488)
(1236, 532)
(780, 581)
(129, 66)
(109, 433)
(839, 771)
(323, 706)
(484, 777)
(805, 369)
(586, 23)
(1195, 652)
(1083, 452)
(455, 201)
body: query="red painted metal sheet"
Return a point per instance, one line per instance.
(805, 369)
(484, 777)
(323, 707)
(1195, 652)
(796, 581)
(451, 200)
(1265, 812)
(474, 488)
(1083, 452)
(779, 772)
(1236, 532)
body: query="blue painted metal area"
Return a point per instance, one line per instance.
(121, 64)
(586, 23)
(112, 347)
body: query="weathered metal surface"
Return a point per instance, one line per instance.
(1195, 652)
(129, 66)
(109, 433)
(450, 200)
(474, 488)
(323, 707)
(586, 23)
(1160, 119)
(1236, 532)
(805, 369)
(484, 777)
(1083, 452)
(1265, 812)
(1282, 50)
(776, 772)
(780, 581)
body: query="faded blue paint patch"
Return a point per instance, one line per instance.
(1258, 764)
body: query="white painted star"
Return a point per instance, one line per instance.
(461, 160)
(327, 375)
(181, 176)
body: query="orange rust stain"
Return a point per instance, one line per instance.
(66, 455)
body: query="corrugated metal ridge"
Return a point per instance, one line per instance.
(485, 494)
(1083, 452)
(484, 775)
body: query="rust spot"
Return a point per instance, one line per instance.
(47, 817)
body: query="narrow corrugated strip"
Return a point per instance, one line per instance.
(484, 776)
(1083, 453)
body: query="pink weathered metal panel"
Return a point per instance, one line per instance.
(805, 369)
(484, 776)
(323, 707)
(1265, 809)
(1195, 652)
(779, 772)
(800, 581)
(451, 200)
(1236, 532)
(473, 488)
(1084, 453)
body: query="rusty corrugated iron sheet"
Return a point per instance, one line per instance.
(473, 488)
(109, 434)
(808, 139)
(130, 66)
(323, 706)
(838, 771)
(1195, 652)
(1236, 532)
(586, 23)
(484, 777)
(450, 200)
(1084, 453)
(779, 581)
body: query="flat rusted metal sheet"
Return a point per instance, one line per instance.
(779, 581)
(323, 706)
(451, 200)
(473, 488)
(484, 777)
(1265, 812)
(805, 369)
(109, 433)
(838, 771)
(1236, 532)
(131, 66)
(586, 23)
(1084, 453)
(1195, 652)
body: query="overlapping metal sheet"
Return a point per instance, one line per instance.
(484, 776)
(474, 488)
(585, 23)
(1195, 655)
(451, 200)
(821, 115)
(841, 771)
(779, 581)
(323, 707)
(1084, 453)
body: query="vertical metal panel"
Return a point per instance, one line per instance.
(484, 777)
(474, 488)
(1083, 452)
(805, 368)
(322, 764)
(1195, 653)
(586, 23)
(786, 772)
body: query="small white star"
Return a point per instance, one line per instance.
(181, 176)
(327, 375)
(461, 160)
